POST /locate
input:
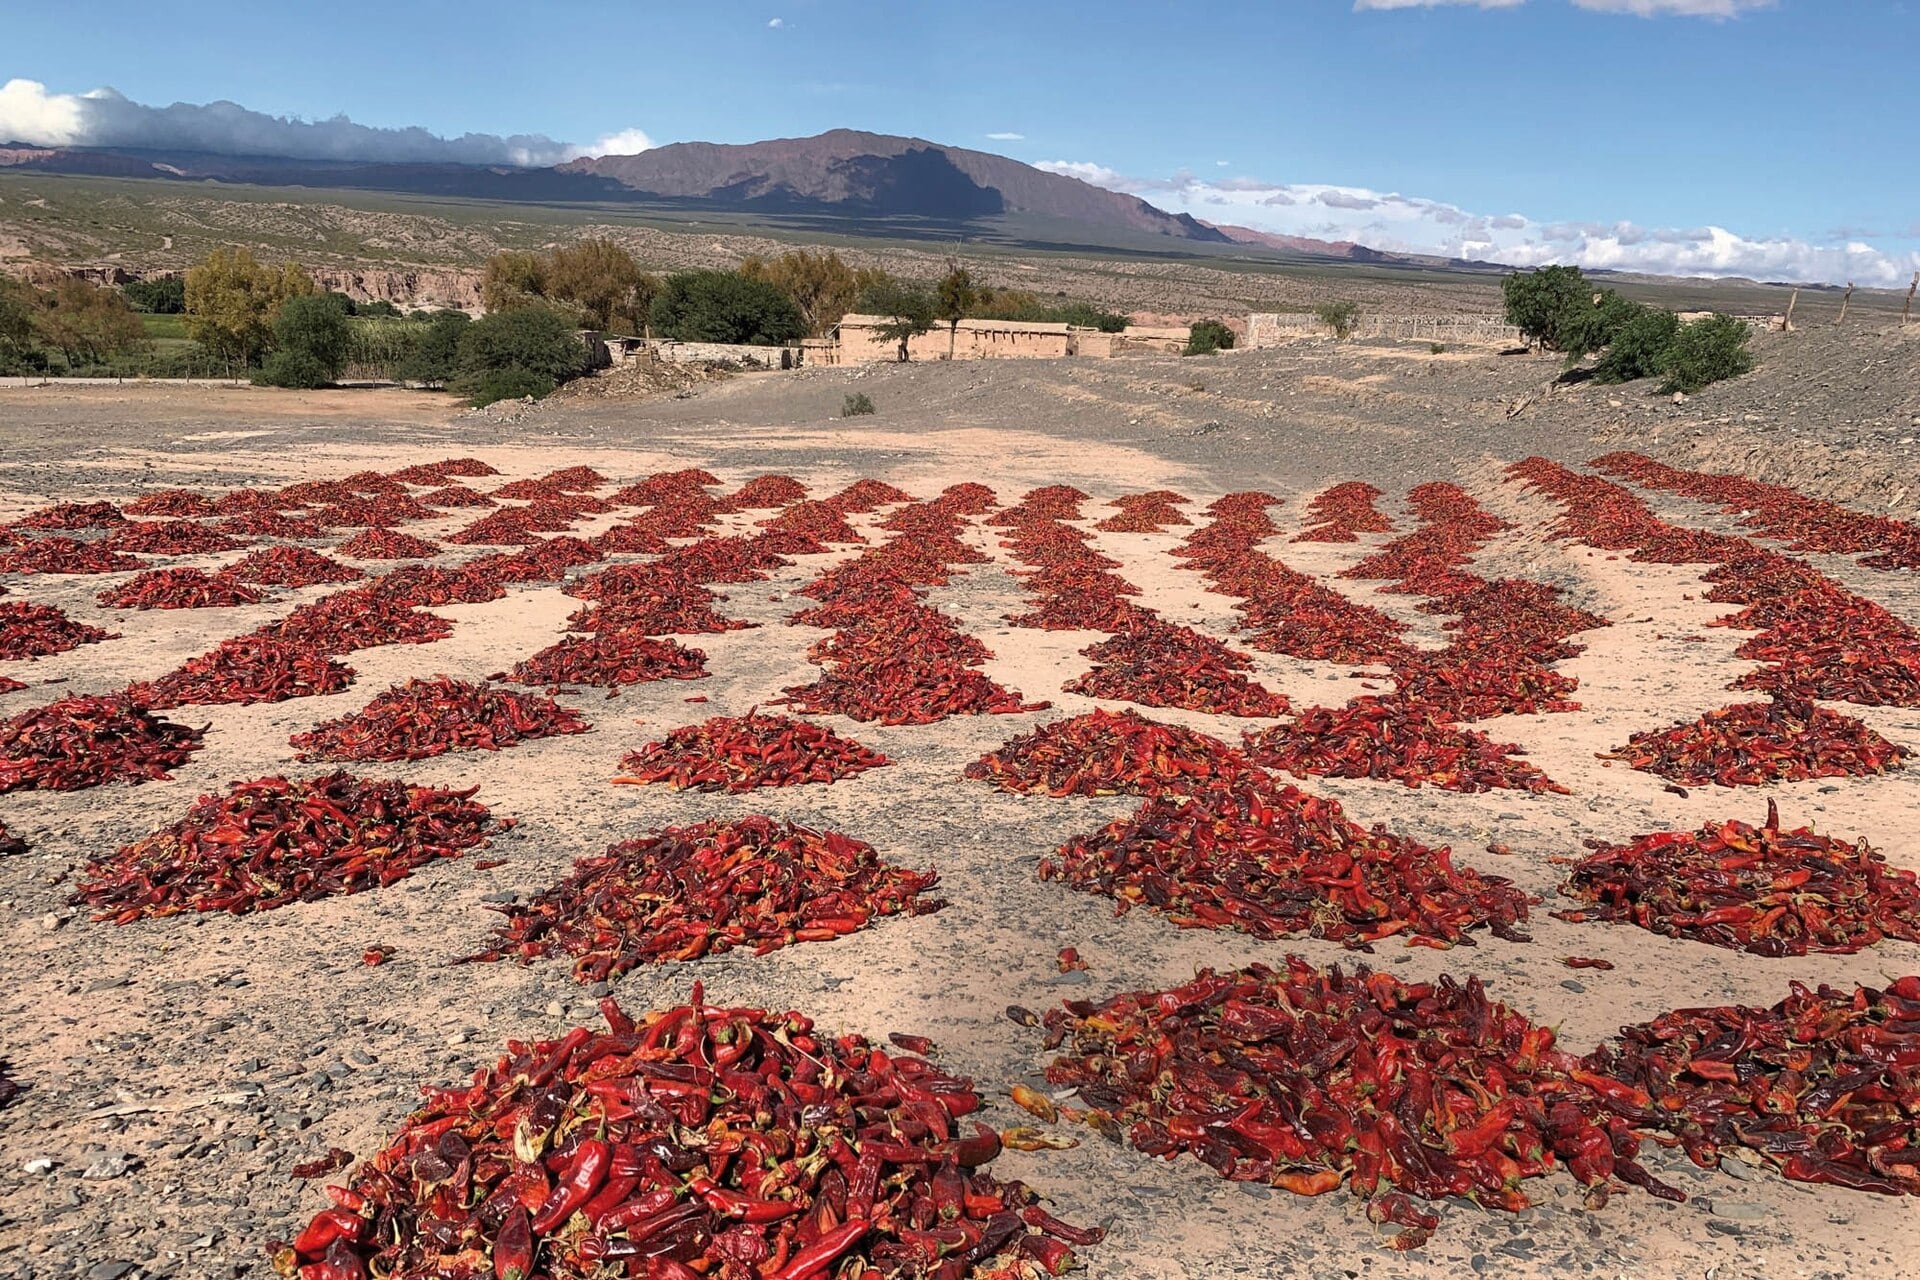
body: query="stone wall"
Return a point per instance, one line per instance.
(1267, 329)
(723, 353)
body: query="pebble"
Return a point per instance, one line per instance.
(1741, 1211)
(1579, 988)
(109, 1270)
(106, 1166)
(39, 1164)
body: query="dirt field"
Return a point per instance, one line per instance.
(214, 1053)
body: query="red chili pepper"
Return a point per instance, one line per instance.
(816, 1256)
(585, 1172)
(513, 1246)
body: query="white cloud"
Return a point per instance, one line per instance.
(1008, 137)
(776, 23)
(105, 118)
(1398, 223)
(627, 142)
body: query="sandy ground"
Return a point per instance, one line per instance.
(216, 1053)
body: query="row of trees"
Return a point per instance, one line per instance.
(85, 325)
(1559, 309)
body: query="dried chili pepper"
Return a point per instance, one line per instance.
(768, 491)
(686, 892)
(744, 752)
(65, 555)
(1757, 889)
(180, 589)
(454, 497)
(358, 618)
(1276, 861)
(174, 503)
(71, 516)
(332, 1162)
(39, 630)
(1104, 753)
(82, 742)
(272, 841)
(168, 538)
(429, 585)
(1343, 513)
(1159, 664)
(431, 717)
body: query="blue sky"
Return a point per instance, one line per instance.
(1724, 136)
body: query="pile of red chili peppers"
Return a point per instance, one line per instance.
(1104, 753)
(83, 742)
(1755, 743)
(180, 589)
(1757, 889)
(245, 670)
(38, 630)
(1159, 664)
(687, 892)
(739, 753)
(272, 841)
(431, 717)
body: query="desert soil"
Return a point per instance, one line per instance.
(179, 1068)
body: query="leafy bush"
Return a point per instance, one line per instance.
(507, 384)
(1207, 336)
(1337, 316)
(294, 368)
(1706, 351)
(435, 357)
(857, 405)
(718, 306)
(1541, 304)
(86, 323)
(1018, 304)
(316, 329)
(910, 310)
(1639, 348)
(232, 300)
(162, 296)
(379, 309)
(534, 341)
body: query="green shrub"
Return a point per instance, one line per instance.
(508, 384)
(379, 308)
(316, 328)
(1706, 351)
(294, 368)
(1541, 304)
(719, 306)
(1337, 316)
(1207, 336)
(857, 405)
(1639, 349)
(534, 342)
(435, 357)
(163, 296)
(1436, 348)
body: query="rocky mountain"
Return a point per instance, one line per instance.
(1345, 249)
(848, 172)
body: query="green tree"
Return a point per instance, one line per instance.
(511, 280)
(86, 323)
(1208, 336)
(823, 286)
(1338, 316)
(311, 334)
(1639, 347)
(232, 300)
(436, 357)
(527, 346)
(18, 303)
(719, 306)
(953, 297)
(160, 296)
(603, 280)
(909, 310)
(1706, 351)
(1542, 304)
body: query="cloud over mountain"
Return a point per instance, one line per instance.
(106, 118)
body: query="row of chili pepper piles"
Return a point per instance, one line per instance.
(1161, 664)
(1757, 889)
(1494, 664)
(275, 841)
(1817, 639)
(815, 1155)
(1780, 513)
(1785, 739)
(893, 658)
(685, 892)
(1311, 1079)
(1075, 584)
(1105, 753)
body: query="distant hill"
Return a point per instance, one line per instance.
(1345, 249)
(878, 175)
